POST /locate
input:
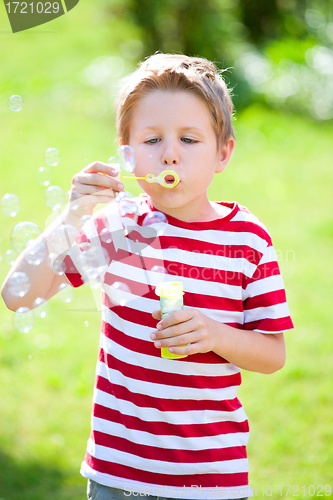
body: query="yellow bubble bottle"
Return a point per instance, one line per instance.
(171, 299)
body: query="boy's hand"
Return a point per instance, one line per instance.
(94, 184)
(188, 328)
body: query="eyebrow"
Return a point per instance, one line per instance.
(182, 129)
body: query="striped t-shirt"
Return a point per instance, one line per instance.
(164, 427)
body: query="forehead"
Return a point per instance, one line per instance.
(179, 108)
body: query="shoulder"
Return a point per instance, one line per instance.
(246, 222)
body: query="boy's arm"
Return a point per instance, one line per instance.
(88, 189)
(250, 350)
(44, 282)
(247, 349)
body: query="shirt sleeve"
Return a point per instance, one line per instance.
(264, 298)
(89, 256)
(71, 264)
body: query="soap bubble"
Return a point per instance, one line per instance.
(54, 262)
(94, 285)
(126, 158)
(128, 207)
(155, 217)
(52, 156)
(159, 269)
(36, 255)
(92, 266)
(105, 235)
(44, 176)
(19, 284)
(10, 205)
(22, 234)
(117, 285)
(15, 103)
(86, 246)
(23, 320)
(11, 256)
(89, 255)
(54, 197)
(123, 194)
(120, 293)
(61, 239)
(65, 293)
(115, 162)
(85, 218)
(41, 307)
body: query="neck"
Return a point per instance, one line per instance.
(206, 212)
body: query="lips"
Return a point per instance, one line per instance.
(169, 179)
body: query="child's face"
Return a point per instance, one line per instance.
(174, 131)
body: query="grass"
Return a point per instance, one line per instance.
(281, 171)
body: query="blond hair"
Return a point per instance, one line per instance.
(172, 73)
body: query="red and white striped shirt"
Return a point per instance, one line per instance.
(166, 427)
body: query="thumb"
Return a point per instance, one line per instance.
(157, 314)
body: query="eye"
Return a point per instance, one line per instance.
(155, 140)
(187, 140)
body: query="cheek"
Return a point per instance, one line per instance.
(143, 184)
(144, 164)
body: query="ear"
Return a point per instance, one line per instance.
(224, 155)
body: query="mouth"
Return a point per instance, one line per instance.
(169, 179)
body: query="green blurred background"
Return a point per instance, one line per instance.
(280, 59)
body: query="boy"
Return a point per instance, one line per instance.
(161, 427)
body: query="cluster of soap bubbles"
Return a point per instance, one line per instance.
(25, 232)
(19, 284)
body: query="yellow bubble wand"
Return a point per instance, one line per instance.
(167, 178)
(126, 158)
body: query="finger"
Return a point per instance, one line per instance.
(190, 338)
(86, 189)
(83, 202)
(175, 317)
(188, 349)
(95, 179)
(105, 168)
(179, 330)
(95, 200)
(156, 314)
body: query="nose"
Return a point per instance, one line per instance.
(170, 155)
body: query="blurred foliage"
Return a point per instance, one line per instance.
(279, 51)
(262, 18)
(189, 26)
